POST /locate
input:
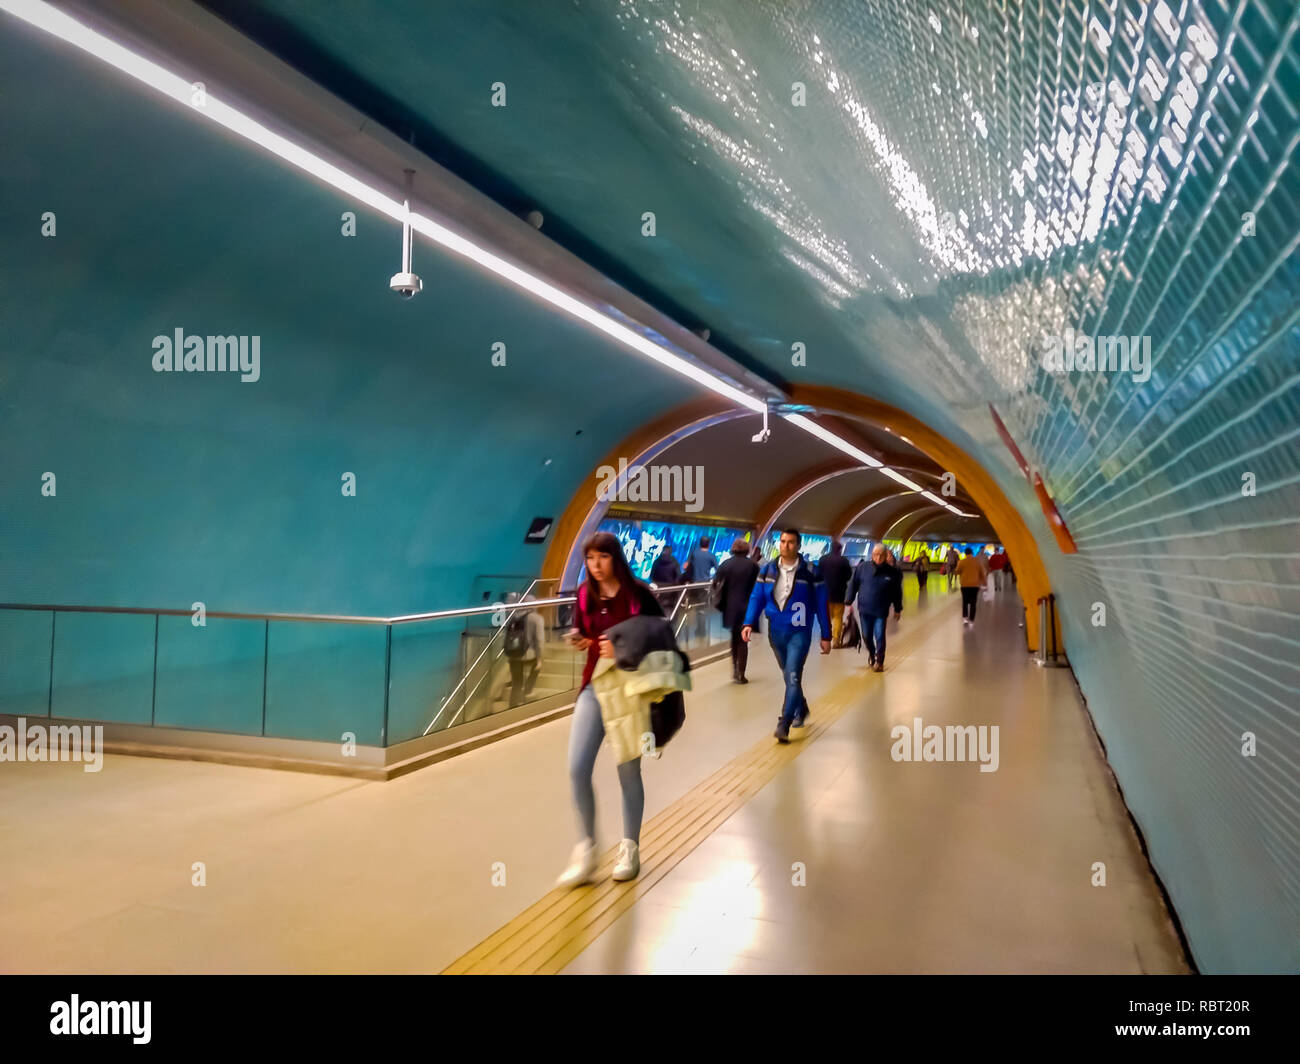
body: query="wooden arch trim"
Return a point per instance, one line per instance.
(1005, 519)
(585, 511)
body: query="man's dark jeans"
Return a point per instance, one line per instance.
(791, 647)
(873, 634)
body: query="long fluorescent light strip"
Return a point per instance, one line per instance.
(45, 17)
(811, 427)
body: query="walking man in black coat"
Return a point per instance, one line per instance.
(732, 584)
(836, 573)
(877, 585)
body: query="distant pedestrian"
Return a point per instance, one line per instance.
(997, 565)
(665, 571)
(972, 574)
(699, 569)
(734, 583)
(836, 572)
(950, 561)
(922, 567)
(701, 564)
(522, 643)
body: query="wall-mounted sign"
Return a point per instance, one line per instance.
(539, 529)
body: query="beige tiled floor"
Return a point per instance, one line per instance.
(918, 867)
(909, 867)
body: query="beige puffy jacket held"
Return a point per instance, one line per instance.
(625, 697)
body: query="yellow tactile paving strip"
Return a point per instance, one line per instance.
(546, 936)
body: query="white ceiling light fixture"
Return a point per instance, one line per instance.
(901, 479)
(53, 21)
(814, 429)
(826, 436)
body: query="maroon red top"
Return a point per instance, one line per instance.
(599, 617)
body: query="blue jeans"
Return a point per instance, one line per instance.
(873, 632)
(791, 648)
(584, 743)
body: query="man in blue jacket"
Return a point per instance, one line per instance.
(877, 585)
(789, 594)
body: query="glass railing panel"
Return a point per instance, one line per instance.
(323, 680)
(699, 628)
(25, 662)
(482, 676)
(425, 667)
(103, 666)
(305, 678)
(493, 681)
(210, 676)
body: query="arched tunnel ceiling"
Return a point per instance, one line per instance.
(823, 505)
(920, 194)
(817, 508)
(742, 478)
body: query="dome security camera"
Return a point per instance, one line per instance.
(405, 284)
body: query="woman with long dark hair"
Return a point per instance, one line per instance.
(609, 595)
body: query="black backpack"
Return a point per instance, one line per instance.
(516, 637)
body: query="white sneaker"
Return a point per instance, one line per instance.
(628, 863)
(582, 865)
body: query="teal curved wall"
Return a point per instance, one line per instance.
(956, 184)
(176, 488)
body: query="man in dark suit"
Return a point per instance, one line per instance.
(732, 584)
(836, 572)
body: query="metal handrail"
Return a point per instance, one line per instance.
(326, 618)
(313, 617)
(511, 608)
(469, 611)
